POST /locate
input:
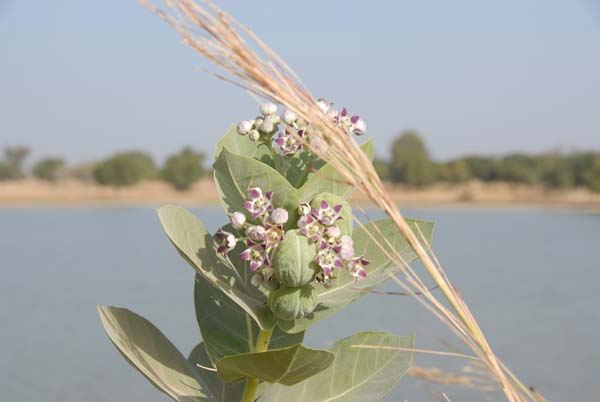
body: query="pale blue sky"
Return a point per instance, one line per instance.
(82, 78)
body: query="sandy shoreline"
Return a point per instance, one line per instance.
(32, 193)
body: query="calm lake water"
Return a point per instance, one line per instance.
(530, 276)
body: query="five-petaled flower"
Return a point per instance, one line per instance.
(328, 257)
(227, 241)
(290, 143)
(327, 215)
(357, 267)
(256, 254)
(310, 228)
(273, 236)
(258, 204)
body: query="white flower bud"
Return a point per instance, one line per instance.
(244, 127)
(268, 125)
(333, 232)
(237, 220)
(289, 117)
(268, 108)
(254, 135)
(347, 248)
(279, 216)
(256, 233)
(304, 209)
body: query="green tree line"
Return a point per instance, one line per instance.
(409, 163)
(181, 170)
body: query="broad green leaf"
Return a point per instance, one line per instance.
(293, 167)
(356, 375)
(197, 246)
(226, 328)
(242, 145)
(286, 366)
(235, 174)
(223, 391)
(328, 180)
(149, 351)
(344, 290)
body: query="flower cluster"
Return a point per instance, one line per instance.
(335, 251)
(264, 234)
(351, 124)
(295, 130)
(261, 239)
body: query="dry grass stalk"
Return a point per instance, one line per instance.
(223, 41)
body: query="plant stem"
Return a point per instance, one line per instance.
(307, 170)
(275, 157)
(262, 344)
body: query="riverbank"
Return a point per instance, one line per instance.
(32, 192)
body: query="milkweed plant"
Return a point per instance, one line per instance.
(287, 257)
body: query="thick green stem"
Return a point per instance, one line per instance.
(262, 344)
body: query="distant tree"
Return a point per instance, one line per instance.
(410, 161)
(12, 166)
(581, 163)
(49, 169)
(592, 176)
(482, 168)
(518, 168)
(556, 170)
(455, 171)
(125, 169)
(184, 169)
(382, 167)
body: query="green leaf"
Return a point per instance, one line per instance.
(343, 290)
(286, 366)
(149, 351)
(223, 391)
(235, 174)
(356, 375)
(197, 246)
(242, 145)
(328, 180)
(226, 328)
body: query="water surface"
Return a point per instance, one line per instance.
(530, 276)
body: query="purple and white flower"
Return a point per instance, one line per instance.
(288, 142)
(327, 215)
(237, 219)
(357, 267)
(333, 232)
(258, 204)
(328, 257)
(256, 254)
(359, 127)
(311, 228)
(227, 241)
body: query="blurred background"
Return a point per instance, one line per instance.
(485, 119)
